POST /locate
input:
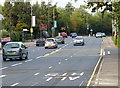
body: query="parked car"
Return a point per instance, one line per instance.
(51, 43)
(78, 41)
(64, 35)
(73, 35)
(60, 39)
(40, 41)
(14, 50)
(103, 35)
(98, 35)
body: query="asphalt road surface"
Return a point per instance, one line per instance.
(67, 65)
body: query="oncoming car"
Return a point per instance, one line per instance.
(78, 41)
(50, 43)
(14, 50)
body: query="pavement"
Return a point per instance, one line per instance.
(107, 74)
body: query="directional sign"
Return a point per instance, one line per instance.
(63, 28)
(55, 23)
(43, 27)
(52, 28)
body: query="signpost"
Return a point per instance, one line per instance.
(53, 30)
(43, 27)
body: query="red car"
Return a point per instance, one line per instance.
(63, 34)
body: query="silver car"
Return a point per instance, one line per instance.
(78, 41)
(14, 50)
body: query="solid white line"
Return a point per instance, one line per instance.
(36, 74)
(28, 60)
(38, 57)
(3, 68)
(81, 83)
(16, 64)
(108, 52)
(71, 56)
(50, 67)
(66, 59)
(2, 76)
(49, 79)
(14, 84)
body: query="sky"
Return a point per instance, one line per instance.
(60, 3)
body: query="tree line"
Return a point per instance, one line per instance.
(17, 17)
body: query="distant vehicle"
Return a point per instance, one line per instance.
(15, 50)
(40, 41)
(50, 43)
(60, 39)
(73, 35)
(63, 34)
(98, 35)
(103, 35)
(78, 41)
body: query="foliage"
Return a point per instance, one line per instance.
(4, 34)
(15, 36)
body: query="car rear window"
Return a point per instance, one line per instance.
(50, 40)
(78, 38)
(12, 45)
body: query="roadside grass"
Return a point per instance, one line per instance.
(116, 41)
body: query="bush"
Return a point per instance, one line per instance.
(15, 36)
(4, 34)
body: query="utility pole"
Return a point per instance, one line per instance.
(48, 16)
(53, 31)
(31, 22)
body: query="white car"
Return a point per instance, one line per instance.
(78, 41)
(51, 43)
(99, 35)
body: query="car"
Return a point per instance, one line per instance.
(98, 35)
(103, 35)
(40, 41)
(73, 35)
(51, 43)
(78, 41)
(60, 40)
(12, 50)
(64, 35)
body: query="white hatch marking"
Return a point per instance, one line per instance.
(14, 84)
(36, 74)
(81, 83)
(64, 77)
(2, 76)
(49, 79)
(59, 63)
(3, 68)
(50, 67)
(28, 60)
(16, 64)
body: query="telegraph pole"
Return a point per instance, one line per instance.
(48, 16)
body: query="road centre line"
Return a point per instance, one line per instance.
(3, 68)
(14, 84)
(49, 79)
(16, 64)
(2, 76)
(59, 63)
(50, 67)
(38, 57)
(36, 74)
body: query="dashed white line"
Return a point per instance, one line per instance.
(28, 60)
(14, 84)
(2, 76)
(59, 63)
(81, 83)
(3, 68)
(50, 67)
(49, 79)
(82, 73)
(36, 74)
(66, 59)
(16, 64)
(71, 56)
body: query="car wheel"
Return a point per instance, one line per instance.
(21, 58)
(4, 59)
(56, 47)
(63, 42)
(45, 47)
(37, 45)
(74, 44)
(26, 56)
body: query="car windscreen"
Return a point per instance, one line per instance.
(49, 40)
(12, 45)
(58, 37)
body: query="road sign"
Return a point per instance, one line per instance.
(88, 26)
(52, 28)
(31, 30)
(5, 39)
(33, 21)
(55, 24)
(43, 27)
(63, 28)
(91, 30)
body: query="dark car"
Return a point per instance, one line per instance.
(73, 35)
(60, 40)
(40, 42)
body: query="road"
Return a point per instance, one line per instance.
(66, 66)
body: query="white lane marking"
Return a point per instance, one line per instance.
(38, 57)
(64, 77)
(2, 76)
(81, 83)
(66, 59)
(49, 79)
(36, 74)
(59, 63)
(3, 68)
(71, 56)
(14, 84)
(50, 67)
(104, 53)
(52, 74)
(82, 74)
(108, 52)
(16, 64)
(28, 60)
